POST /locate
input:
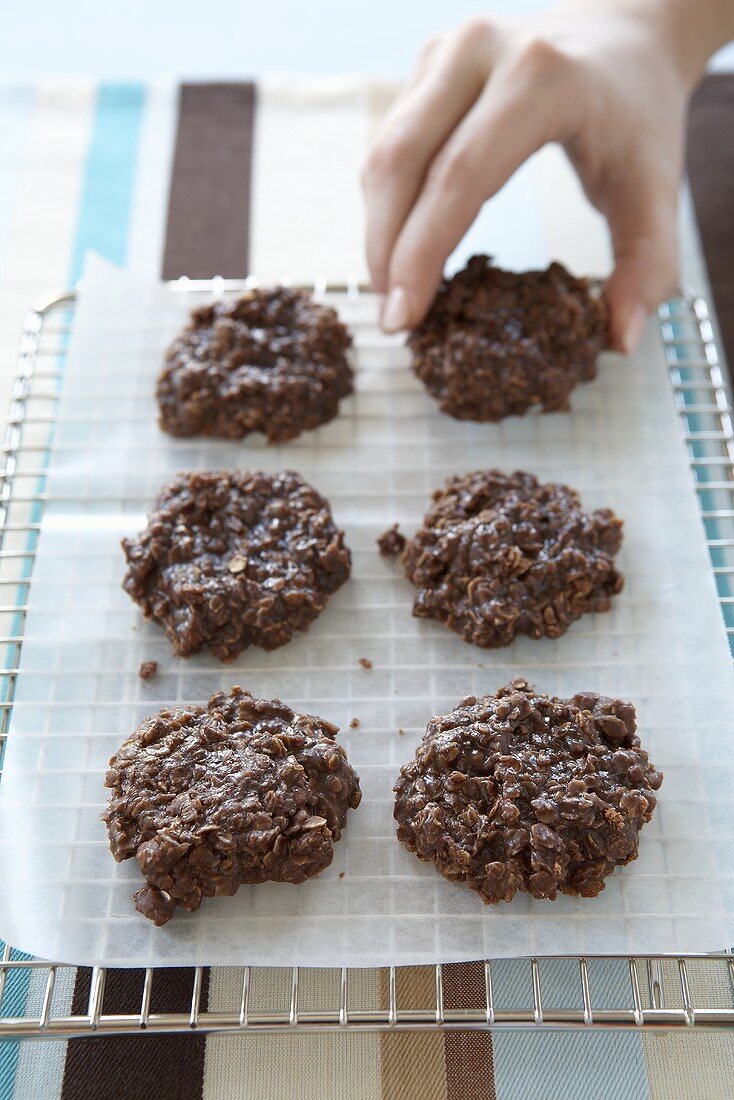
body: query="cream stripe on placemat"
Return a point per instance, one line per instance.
(16, 111)
(153, 180)
(307, 217)
(42, 225)
(694, 1066)
(307, 1067)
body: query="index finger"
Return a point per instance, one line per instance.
(415, 128)
(508, 123)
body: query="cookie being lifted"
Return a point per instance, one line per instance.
(230, 560)
(502, 554)
(271, 361)
(241, 790)
(519, 791)
(496, 343)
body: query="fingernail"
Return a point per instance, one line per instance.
(633, 330)
(395, 312)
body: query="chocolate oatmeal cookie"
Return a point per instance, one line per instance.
(520, 791)
(500, 555)
(241, 790)
(230, 560)
(496, 343)
(270, 361)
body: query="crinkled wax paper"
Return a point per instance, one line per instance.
(78, 693)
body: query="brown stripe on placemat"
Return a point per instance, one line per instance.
(412, 1063)
(711, 172)
(469, 1059)
(167, 1067)
(209, 202)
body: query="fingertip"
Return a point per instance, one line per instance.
(645, 274)
(632, 328)
(628, 310)
(395, 314)
(415, 273)
(627, 324)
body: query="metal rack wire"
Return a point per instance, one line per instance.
(651, 992)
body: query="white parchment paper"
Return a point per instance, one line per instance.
(78, 693)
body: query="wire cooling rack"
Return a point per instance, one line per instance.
(650, 992)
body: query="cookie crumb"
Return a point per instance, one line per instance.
(354, 724)
(401, 733)
(341, 874)
(391, 542)
(365, 662)
(148, 670)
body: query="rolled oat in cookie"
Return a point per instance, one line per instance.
(271, 361)
(496, 343)
(519, 791)
(230, 560)
(502, 554)
(242, 790)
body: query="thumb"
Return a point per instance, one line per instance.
(643, 224)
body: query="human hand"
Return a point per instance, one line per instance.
(607, 79)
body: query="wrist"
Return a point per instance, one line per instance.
(689, 30)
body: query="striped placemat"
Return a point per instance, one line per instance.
(711, 173)
(222, 179)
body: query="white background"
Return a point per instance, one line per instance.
(235, 38)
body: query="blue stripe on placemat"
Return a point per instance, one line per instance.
(535, 1065)
(107, 194)
(569, 1066)
(13, 1004)
(103, 225)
